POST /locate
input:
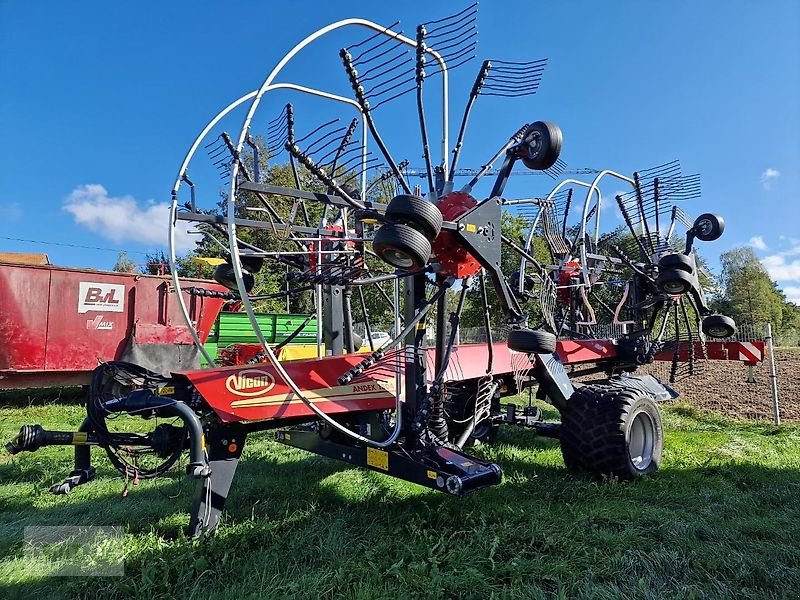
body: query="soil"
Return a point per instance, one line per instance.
(723, 387)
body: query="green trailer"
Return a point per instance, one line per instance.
(235, 328)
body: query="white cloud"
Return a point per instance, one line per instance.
(122, 218)
(781, 270)
(792, 293)
(757, 242)
(768, 177)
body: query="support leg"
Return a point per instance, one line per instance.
(224, 449)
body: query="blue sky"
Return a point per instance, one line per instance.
(99, 103)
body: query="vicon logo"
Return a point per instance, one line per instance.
(100, 297)
(250, 383)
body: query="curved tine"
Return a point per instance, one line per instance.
(408, 75)
(521, 69)
(452, 28)
(453, 67)
(308, 135)
(455, 40)
(329, 138)
(337, 156)
(500, 76)
(474, 5)
(397, 95)
(495, 81)
(514, 89)
(404, 54)
(455, 56)
(374, 35)
(667, 166)
(372, 162)
(457, 43)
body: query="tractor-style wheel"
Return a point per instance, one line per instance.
(531, 342)
(542, 145)
(708, 227)
(611, 431)
(719, 326)
(402, 247)
(416, 212)
(677, 261)
(252, 263)
(674, 282)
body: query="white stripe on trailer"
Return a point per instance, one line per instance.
(749, 352)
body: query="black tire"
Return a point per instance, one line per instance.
(611, 431)
(708, 227)
(542, 145)
(224, 275)
(416, 212)
(719, 326)
(677, 261)
(485, 432)
(674, 282)
(252, 263)
(402, 247)
(531, 342)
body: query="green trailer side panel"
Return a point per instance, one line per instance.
(235, 328)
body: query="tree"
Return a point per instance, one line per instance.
(747, 293)
(156, 263)
(124, 264)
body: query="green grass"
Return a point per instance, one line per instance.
(720, 519)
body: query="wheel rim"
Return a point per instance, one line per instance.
(705, 226)
(674, 287)
(397, 258)
(641, 441)
(719, 331)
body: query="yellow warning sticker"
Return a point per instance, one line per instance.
(432, 475)
(287, 437)
(471, 228)
(378, 459)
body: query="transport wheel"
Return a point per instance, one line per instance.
(542, 145)
(416, 212)
(252, 263)
(719, 326)
(611, 431)
(224, 275)
(708, 227)
(485, 432)
(677, 261)
(531, 342)
(402, 247)
(674, 282)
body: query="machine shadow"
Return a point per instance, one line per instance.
(271, 497)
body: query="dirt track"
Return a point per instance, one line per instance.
(722, 387)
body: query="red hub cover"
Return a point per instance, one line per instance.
(455, 260)
(568, 271)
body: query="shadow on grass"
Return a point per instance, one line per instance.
(298, 519)
(75, 395)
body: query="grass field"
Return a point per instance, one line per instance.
(720, 519)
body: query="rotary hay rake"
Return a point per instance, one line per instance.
(605, 304)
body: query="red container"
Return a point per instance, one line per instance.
(56, 323)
